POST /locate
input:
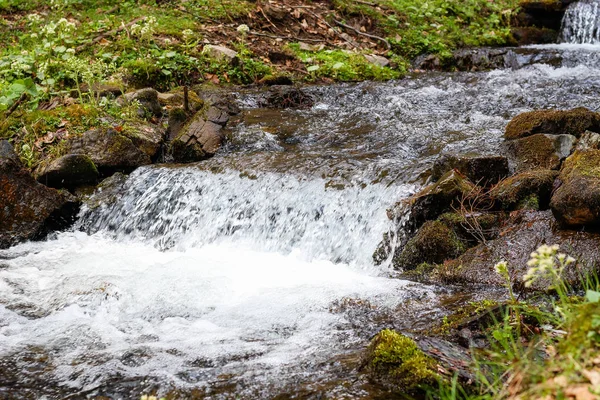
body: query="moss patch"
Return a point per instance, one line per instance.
(512, 191)
(572, 122)
(397, 360)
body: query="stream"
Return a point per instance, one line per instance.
(250, 274)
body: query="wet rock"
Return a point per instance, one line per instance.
(27, 208)
(433, 200)
(377, 60)
(483, 170)
(482, 59)
(220, 53)
(523, 234)
(199, 139)
(146, 137)
(217, 97)
(288, 97)
(520, 190)
(68, 171)
(541, 13)
(177, 119)
(106, 193)
(554, 122)
(588, 141)
(533, 35)
(148, 99)
(474, 227)
(278, 80)
(434, 243)
(576, 201)
(110, 150)
(540, 151)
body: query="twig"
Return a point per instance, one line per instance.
(287, 37)
(15, 105)
(331, 27)
(186, 99)
(110, 11)
(267, 18)
(111, 33)
(387, 44)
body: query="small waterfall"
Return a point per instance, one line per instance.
(581, 23)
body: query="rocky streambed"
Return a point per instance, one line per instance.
(248, 271)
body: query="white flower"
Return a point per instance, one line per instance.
(243, 29)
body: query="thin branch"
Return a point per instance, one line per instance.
(387, 44)
(287, 37)
(15, 105)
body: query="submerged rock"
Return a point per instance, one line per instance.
(576, 201)
(540, 151)
(433, 243)
(110, 150)
(68, 171)
(523, 189)
(483, 170)
(28, 209)
(554, 122)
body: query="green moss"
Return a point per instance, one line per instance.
(452, 321)
(396, 358)
(586, 163)
(516, 189)
(531, 202)
(572, 122)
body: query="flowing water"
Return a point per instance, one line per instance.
(581, 23)
(250, 274)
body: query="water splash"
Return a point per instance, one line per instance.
(581, 23)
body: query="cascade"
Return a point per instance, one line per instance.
(581, 23)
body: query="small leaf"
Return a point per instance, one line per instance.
(592, 296)
(338, 65)
(312, 68)
(166, 72)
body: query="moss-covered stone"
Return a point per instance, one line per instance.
(67, 171)
(483, 170)
(433, 243)
(511, 192)
(540, 151)
(396, 361)
(555, 122)
(474, 227)
(577, 199)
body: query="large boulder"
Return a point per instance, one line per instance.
(522, 234)
(554, 122)
(110, 150)
(147, 137)
(540, 151)
(483, 170)
(433, 244)
(68, 171)
(576, 201)
(531, 189)
(28, 209)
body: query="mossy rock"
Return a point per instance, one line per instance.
(434, 200)
(554, 122)
(540, 151)
(577, 199)
(474, 227)
(434, 243)
(483, 170)
(68, 171)
(395, 361)
(512, 192)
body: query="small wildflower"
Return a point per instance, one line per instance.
(243, 29)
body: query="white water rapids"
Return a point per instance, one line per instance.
(245, 268)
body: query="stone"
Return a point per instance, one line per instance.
(588, 141)
(517, 191)
(148, 99)
(147, 137)
(198, 140)
(434, 200)
(110, 150)
(28, 209)
(377, 60)
(68, 171)
(554, 122)
(481, 59)
(576, 201)
(288, 97)
(540, 151)
(483, 170)
(528, 35)
(433, 243)
(522, 234)
(106, 193)
(475, 227)
(176, 99)
(220, 53)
